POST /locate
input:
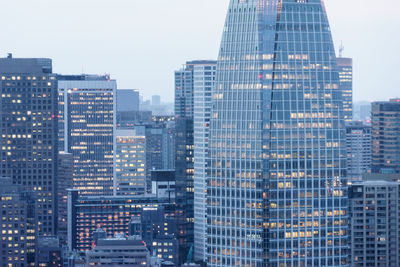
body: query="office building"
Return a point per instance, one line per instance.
(386, 136)
(374, 223)
(49, 252)
(204, 82)
(18, 225)
(87, 121)
(345, 68)
(65, 182)
(160, 146)
(130, 163)
(277, 189)
(28, 132)
(119, 251)
(127, 100)
(158, 232)
(359, 155)
(109, 213)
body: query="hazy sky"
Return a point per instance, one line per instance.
(142, 42)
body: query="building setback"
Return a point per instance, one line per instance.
(374, 224)
(386, 136)
(87, 122)
(277, 188)
(28, 132)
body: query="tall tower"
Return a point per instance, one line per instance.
(204, 82)
(277, 192)
(187, 81)
(28, 132)
(87, 111)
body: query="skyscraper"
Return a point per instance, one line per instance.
(386, 136)
(277, 192)
(374, 224)
(345, 68)
(204, 82)
(358, 143)
(130, 163)
(185, 81)
(87, 122)
(28, 132)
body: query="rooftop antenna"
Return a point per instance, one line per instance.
(341, 49)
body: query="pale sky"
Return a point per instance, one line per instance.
(141, 42)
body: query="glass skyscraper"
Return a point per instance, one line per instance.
(276, 193)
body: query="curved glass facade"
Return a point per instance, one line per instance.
(276, 193)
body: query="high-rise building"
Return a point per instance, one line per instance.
(18, 225)
(65, 182)
(119, 251)
(277, 189)
(358, 143)
(374, 224)
(87, 122)
(185, 81)
(386, 136)
(160, 147)
(130, 163)
(28, 132)
(345, 68)
(204, 82)
(127, 100)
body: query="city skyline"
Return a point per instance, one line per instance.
(132, 46)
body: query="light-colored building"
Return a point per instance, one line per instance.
(197, 75)
(87, 120)
(374, 222)
(359, 150)
(204, 82)
(119, 251)
(345, 68)
(130, 163)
